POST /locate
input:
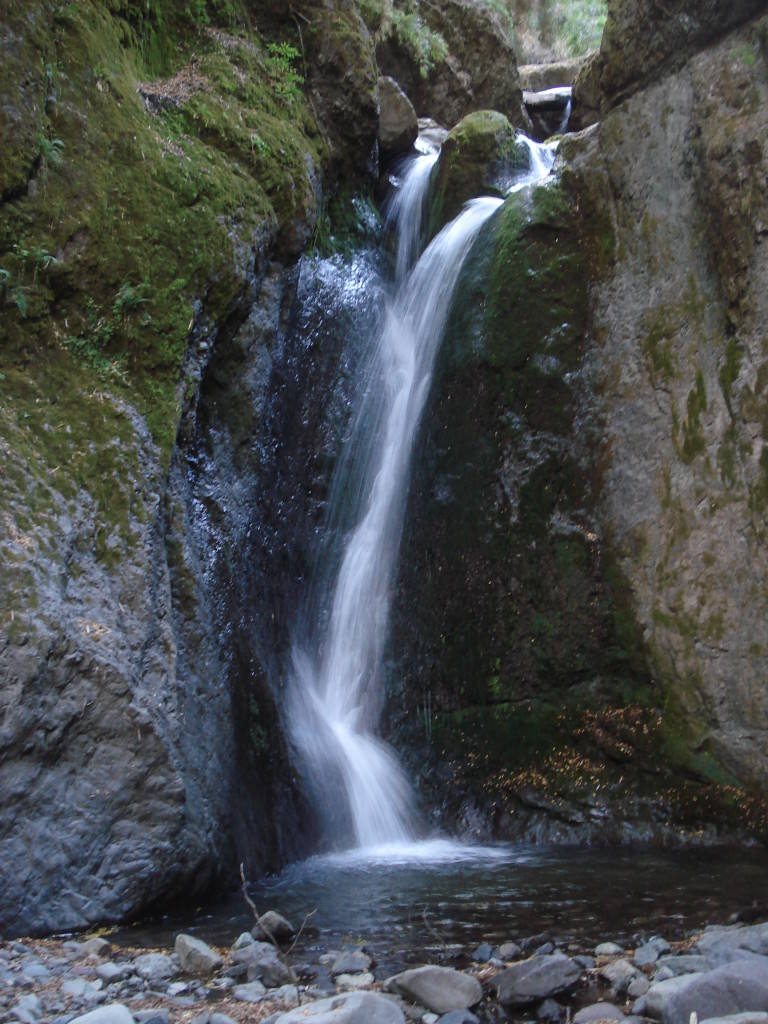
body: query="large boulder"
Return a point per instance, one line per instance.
(642, 42)
(732, 989)
(481, 155)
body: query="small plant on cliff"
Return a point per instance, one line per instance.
(427, 48)
(50, 150)
(284, 78)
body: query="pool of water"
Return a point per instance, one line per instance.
(436, 901)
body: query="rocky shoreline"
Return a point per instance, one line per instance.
(720, 972)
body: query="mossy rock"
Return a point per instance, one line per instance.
(482, 155)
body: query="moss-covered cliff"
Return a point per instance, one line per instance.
(162, 170)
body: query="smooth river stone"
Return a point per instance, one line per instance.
(349, 1008)
(438, 988)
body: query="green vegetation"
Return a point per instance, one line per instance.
(126, 224)
(403, 19)
(554, 29)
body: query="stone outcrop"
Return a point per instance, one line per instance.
(458, 83)
(592, 482)
(145, 251)
(644, 41)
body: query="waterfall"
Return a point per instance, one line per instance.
(334, 686)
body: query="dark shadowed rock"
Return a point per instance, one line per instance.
(536, 979)
(398, 125)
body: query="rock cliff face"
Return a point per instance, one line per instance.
(586, 546)
(159, 179)
(678, 318)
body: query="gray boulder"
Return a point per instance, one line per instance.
(459, 1017)
(608, 949)
(398, 124)
(732, 989)
(253, 992)
(114, 1013)
(720, 942)
(509, 950)
(196, 956)
(349, 1008)
(535, 979)
(154, 967)
(620, 974)
(351, 962)
(440, 989)
(650, 952)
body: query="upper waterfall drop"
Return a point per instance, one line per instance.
(334, 691)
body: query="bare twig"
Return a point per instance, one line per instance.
(282, 954)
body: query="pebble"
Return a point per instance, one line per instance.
(483, 953)
(608, 949)
(509, 950)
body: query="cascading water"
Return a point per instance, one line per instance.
(334, 689)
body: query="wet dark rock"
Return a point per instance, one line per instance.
(272, 925)
(536, 979)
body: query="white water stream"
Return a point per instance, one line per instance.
(334, 692)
